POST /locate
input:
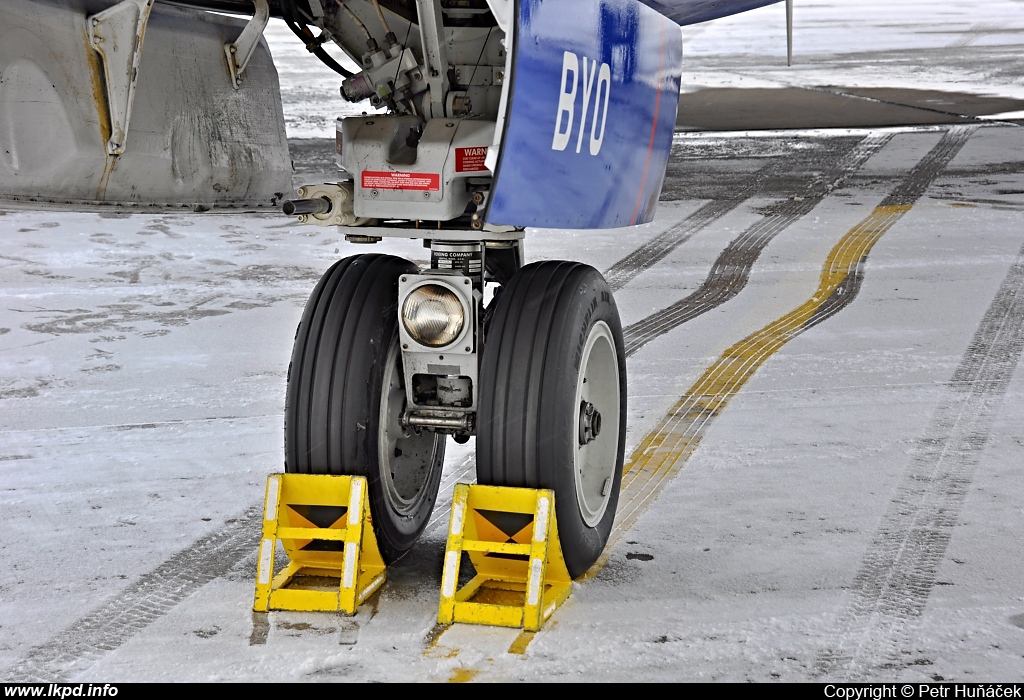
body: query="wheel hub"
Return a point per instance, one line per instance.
(405, 453)
(590, 423)
(596, 456)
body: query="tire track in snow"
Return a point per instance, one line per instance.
(650, 253)
(731, 270)
(465, 468)
(143, 602)
(156, 593)
(656, 249)
(665, 450)
(899, 570)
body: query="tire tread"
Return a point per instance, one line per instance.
(536, 326)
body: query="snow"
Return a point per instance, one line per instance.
(968, 46)
(142, 370)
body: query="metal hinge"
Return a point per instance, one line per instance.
(240, 51)
(116, 35)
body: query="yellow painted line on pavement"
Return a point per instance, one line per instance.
(463, 675)
(664, 451)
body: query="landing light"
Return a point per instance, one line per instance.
(433, 315)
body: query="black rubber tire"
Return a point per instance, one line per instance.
(528, 418)
(333, 405)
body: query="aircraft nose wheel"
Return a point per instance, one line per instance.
(346, 396)
(553, 400)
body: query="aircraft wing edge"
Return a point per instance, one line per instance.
(685, 12)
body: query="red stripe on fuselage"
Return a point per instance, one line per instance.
(654, 129)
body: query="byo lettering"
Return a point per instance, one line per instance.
(596, 79)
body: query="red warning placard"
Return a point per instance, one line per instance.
(388, 180)
(470, 160)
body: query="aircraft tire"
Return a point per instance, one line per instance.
(346, 394)
(554, 346)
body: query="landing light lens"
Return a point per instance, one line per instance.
(433, 315)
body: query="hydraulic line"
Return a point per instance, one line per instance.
(312, 43)
(384, 22)
(355, 18)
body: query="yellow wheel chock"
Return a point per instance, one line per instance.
(511, 537)
(324, 524)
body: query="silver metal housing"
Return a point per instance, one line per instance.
(457, 360)
(400, 173)
(187, 135)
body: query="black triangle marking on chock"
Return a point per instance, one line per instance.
(509, 523)
(322, 517)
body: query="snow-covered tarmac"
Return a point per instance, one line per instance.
(852, 508)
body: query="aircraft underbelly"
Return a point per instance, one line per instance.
(192, 138)
(695, 11)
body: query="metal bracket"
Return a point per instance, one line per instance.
(116, 35)
(432, 33)
(240, 51)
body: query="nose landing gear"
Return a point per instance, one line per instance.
(551, 412)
